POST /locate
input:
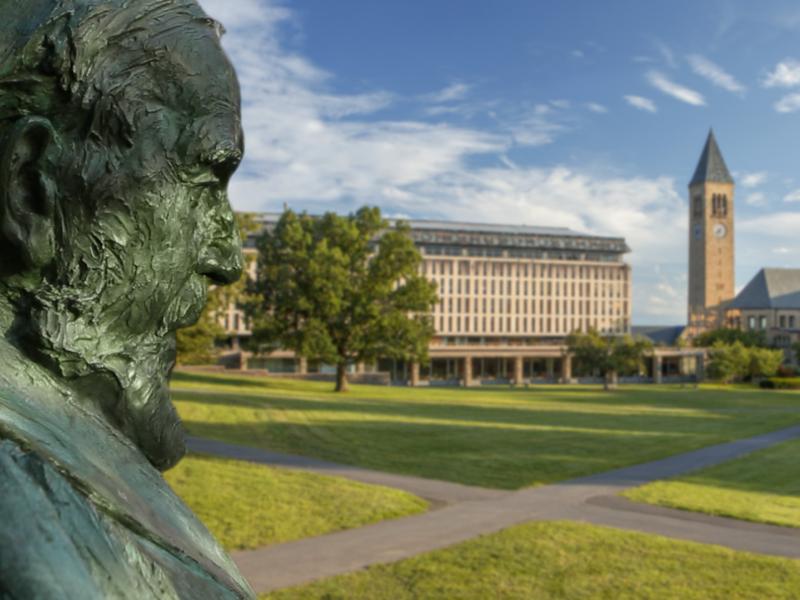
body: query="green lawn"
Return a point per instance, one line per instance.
(247, 505)
(567, 561)
(496, 437)
(763, 487)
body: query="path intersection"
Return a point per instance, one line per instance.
(461, 512)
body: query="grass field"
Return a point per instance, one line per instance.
(763, 487)
(495, 437)
(248, 506)
(567, 560)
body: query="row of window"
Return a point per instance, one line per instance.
(546, 307)
(545, 288)
(516, 270)
(543, 325)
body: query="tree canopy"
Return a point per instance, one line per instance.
(727, 335)
(737, 362)
(608, 355)
(342, 290)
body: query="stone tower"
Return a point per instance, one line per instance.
(711, 240)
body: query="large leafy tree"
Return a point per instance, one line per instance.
(608, 355)
(342, 290)
(196, 344)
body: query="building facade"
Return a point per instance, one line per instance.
(509, 295)
(770, 305)
(712, 281)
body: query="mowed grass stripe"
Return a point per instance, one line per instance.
(763, 487)
(494, 437)
(248, 506)
(566, 561)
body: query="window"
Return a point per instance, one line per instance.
(751, 322)
(762, 322)
(783, 321)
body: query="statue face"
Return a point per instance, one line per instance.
(138, 250)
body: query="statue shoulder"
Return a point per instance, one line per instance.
(54, 543)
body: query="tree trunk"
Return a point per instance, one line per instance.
(341, 378)
(611, 381)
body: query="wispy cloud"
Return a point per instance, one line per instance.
(666, 53)
(641, 103)
(756, 199)
(751, 180)
(453, 92)
(659, 81)
(715, 74)
(785, 74)
(793, 196)
(319, 150)
(788, 104)
(596, 107)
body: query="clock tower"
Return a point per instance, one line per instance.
(711, 248)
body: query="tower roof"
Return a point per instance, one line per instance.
(711, 166)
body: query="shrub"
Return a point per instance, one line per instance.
(737, 362)
(781, 383)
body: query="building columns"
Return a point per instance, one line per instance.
(519, 370)
(566, 368)
(413, 378)
(551, 368)
(658, 369)
(302, 366)
(468, 371)
(700, 367)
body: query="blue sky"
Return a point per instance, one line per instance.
(584, 114)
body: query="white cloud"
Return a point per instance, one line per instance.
(596, 107)
(785, 74)
(773, 226)
(751, 180)
(788, 104)
(756, 199)
(714, 73)
(679, 92)
(455, 91)
(578, 53)
(641, 103)
(316, 149)
(793, 196)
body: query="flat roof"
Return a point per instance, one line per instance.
(460, 226)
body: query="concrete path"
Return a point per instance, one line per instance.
(589, 499)
(436, 492)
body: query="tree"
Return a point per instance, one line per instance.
(737, 362)
(728, 336)
(196, 344)
(609, 355)
(342, 290)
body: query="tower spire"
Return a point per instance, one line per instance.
(711, 167)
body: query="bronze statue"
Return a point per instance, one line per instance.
(120, 127)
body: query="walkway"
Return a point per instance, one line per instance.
(470, 512)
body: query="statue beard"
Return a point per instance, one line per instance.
(127, 376)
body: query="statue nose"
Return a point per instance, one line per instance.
(222, 261)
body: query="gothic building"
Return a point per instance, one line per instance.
(711, 240)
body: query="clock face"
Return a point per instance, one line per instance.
(720, 230)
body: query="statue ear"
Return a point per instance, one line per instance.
(27, 195)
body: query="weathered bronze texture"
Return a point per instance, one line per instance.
(120, 127)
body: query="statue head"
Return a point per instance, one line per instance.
(119, 130)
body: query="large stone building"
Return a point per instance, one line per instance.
(770, 304)
(509, 295)
(711, 240)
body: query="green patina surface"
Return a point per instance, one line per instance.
(119, 129)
